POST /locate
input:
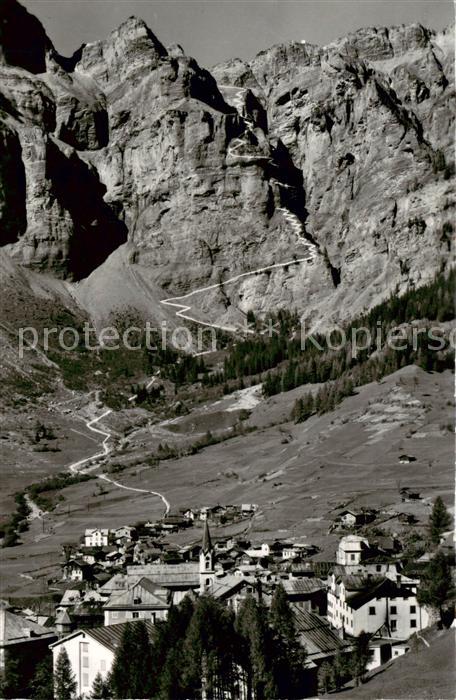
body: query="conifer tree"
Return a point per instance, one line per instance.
(168, 651)
(326, 677)
(209, 650)
(256, 649)
(288, 655)
(64, 679)
(42, 684)
(100, 688)
(439, 520)
(436, 586)
(360, 657)
(131, 675)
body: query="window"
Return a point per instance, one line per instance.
(135, 615)
(85, 647)
(372, 610)
(85, 662)
(412, 609)
(85, 679)
(393, 610)
(412, 623)
(103, 665)
(114, 614)
(352, 557)
(378, 567)
(393, 625)
(136, 601)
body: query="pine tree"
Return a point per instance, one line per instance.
(439, 520)
(326, 677)
(436, 587)
(100, 688)
(168, 653)
(42, 684)
(64, 679)
(131, 675)
(360, 657)
(281, 616)
(288, 655)
(256, 645)
(209, 650)
(339, 669)
(10, 679)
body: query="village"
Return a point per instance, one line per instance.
(113, 577)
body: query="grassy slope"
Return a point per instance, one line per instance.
(298, 474)
(427, 673)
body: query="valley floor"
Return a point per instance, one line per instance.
(298, 475)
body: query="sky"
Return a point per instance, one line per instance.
(215, 30)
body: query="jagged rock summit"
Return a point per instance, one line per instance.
(312, 178)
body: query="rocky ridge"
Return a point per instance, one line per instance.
(329, 169)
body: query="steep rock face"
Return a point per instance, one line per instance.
(13, 221)
(369, 121)
(54, 216)
(327, 171)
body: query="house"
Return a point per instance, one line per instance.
(96, 537)
(383, 649)
(91, 652)
(248, 508)
(144, 600)
(352, 550)
(190, 514)
(124, 532)
(316, 636)
(232, 591)
(354, 518)
(174, 522)
(25, 643)
(387, 546)
(77, 570)
(365, 604)
(69, 599)
(306, 594)
(179, 579)
(265, 549)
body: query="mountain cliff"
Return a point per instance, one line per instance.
(133, 174)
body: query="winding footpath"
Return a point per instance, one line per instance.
(293, 221)
(237, 100)
(75, 467)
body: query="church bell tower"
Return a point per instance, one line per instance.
(206, 561)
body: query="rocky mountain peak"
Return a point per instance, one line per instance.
(318, 178)
(23, 40)
(129, 49)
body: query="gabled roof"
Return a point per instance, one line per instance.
(157, 597)
(109, 636)
(302, 585)
(379, 588)
(226, 586)
(316, 634)
(17, 628)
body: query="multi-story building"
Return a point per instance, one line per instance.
(142, 601)
(96, 537)
(91, 652)
(366, 604)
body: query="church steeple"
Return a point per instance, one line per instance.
(206, 561)
(207, 543)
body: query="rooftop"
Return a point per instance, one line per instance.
(316, 633)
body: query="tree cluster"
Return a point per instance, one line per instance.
(202, 650)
